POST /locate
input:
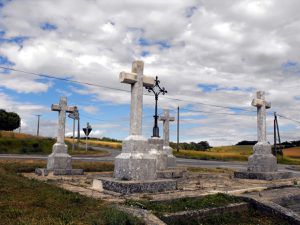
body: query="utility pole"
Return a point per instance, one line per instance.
(178, 129)
(38, 125)
(275, 135)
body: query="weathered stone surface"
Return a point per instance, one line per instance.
(155, 146)
(166, 118)
(262, 160)
(263, 175)
(134, 163)
(41, 172)
(171, 160)
(129, 187)
(171, 173)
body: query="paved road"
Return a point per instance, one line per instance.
(180, 161)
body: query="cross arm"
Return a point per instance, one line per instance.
(260, 102)
(70, 109)
(131, 78)
(55, 107)
(164, 118)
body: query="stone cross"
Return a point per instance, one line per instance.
(261, 105)
(137, 81)
(62, 109)
(166, 124)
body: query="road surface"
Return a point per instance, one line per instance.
(235, 165)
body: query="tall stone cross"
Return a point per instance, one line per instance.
(166, 124)
(261, 105)
(137, 81)
(62, 109)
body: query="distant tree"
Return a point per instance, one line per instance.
(246, 142)
(9, 121)
(200, 146)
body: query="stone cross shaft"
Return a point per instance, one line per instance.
(137, 81)
(166, 124)
(261, 105)
(62, 108)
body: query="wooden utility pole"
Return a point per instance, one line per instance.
(178, 129)
(38, 126)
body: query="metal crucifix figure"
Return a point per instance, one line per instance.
(157, 90)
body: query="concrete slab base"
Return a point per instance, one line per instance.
(263, 175)
(133, 186)
(172, 173)
(58, 172)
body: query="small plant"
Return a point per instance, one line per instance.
(295, 182)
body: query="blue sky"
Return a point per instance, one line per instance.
(211, 52)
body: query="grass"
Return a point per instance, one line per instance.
(237, 153)
(248, 217)
(25, 201)
(105, 144)
(14, 143)
(183, 204)
(28, 166)
(210, 170)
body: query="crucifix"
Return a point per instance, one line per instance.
(62, 108)
(261, 105)
(166, 118)
(137, 81)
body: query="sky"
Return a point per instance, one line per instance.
(206, 53)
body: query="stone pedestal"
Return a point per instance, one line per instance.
(59, 159)
(59, 162)
(262, 159)
(156, 149)
(262, 165)
(135, 163)
(171, 160)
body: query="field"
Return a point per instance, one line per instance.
(105, 144)
(292, 152)
(237, 153)
(15, 143)
(30, 202)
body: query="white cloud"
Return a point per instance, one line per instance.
(238, 46)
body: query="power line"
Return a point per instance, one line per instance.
(285, 117)
(119, 89)
(231, 114)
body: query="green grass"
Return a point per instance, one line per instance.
(183, 204)
(35, 145)
(250, 217)
(28, 166)
(25, 201)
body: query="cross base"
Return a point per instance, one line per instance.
(262, 160)
(171, 161)
(135, 163)
(156, 149)
(263, 175)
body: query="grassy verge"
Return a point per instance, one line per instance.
(210, 170)
(236, 153)
(13, 143)
(183, 204)
(25, 201)
(248, 217)
(28, 166)
(105, 144)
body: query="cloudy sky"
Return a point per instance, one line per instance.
(204, 51)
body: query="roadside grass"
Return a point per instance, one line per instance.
(28, 166)
(28, 201)
(15, 143)
(105, 144)
(237, 153)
